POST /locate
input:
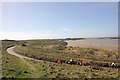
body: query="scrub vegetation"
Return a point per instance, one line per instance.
(97, 61)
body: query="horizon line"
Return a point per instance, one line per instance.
(64, 38)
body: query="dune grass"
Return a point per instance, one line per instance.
(47, 51)
(14, 67)
(52, 52)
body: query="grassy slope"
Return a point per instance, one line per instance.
(54, 70)
(15, 67)
(51, 52)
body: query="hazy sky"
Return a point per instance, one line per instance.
(38, 20)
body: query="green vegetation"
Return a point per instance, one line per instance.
(7, 44)
(43, 50)
(48, 51)
(13, 67)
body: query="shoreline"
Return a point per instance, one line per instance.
(94, 43)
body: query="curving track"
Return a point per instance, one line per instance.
(12, 52)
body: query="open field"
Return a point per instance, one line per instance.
(48, 51)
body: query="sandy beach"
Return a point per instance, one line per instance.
(94, 43)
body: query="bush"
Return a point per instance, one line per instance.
(23, 44)
(64, 43)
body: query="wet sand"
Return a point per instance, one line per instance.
(94, 43)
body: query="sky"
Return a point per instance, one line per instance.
(53, 20)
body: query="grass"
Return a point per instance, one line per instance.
(53, 70)
(47, 51)
(52, 52)
(6, 44)
(11, 65)
(14, 67)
